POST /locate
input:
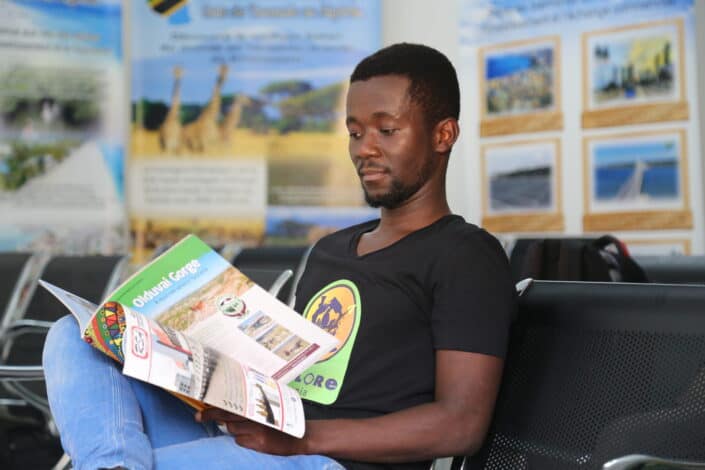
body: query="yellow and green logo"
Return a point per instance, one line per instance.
(336, 309)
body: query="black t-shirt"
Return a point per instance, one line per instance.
(445, 286)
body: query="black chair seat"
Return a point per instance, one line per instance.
(596, 371)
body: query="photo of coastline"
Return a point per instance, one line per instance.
(638, 172)
(521, 178)
(634, 65)
(519, 79)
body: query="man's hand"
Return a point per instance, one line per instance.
(253, 435)
(455, 423)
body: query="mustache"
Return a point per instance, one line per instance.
(362, 167)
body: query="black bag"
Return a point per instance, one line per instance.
(605, 259)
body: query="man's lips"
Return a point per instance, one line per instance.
(372, 173)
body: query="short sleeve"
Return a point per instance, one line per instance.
(474, 299)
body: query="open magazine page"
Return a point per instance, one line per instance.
(79, 307)
(192, 289)
(164, 357)
(102, 327)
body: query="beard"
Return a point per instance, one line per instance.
(399, 192)
(393, 198)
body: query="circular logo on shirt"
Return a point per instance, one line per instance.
(334, 309)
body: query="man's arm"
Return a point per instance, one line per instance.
(455, 423)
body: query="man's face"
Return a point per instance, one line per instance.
(390, 143)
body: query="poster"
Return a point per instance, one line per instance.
(637, 180)
(237, 119)
(62, 127)
(613, 82)
(634, 74)
(520, 86)
(521, 186)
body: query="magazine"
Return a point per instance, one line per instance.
(192, 324)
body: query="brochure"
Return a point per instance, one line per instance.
(192, 324)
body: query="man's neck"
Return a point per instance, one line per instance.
(420, 211)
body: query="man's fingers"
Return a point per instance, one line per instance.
(242, 428)
(216, 414)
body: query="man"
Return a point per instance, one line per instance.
(421, 299)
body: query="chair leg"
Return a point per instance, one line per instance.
(64, 463)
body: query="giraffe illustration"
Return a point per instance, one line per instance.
(203, 132)
(170, 130)
(232, 119)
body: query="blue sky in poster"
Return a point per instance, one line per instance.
(491, 21)
(102, 20)
(510, 64)
(113, 155)
(212, 264)
(317, 49)
(615, 154)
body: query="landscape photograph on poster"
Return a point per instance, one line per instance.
(637, 172)
(519, 78)
(520, 177)
(303, 225)
(637, 64)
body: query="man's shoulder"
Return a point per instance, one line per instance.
(459, 237)
(344, 235)
(456, 229)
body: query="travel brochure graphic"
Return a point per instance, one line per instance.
(191, 323)
(62, 106)
(260, 86)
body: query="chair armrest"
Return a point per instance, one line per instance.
(645, 462)
(280, 281)
(16, 373)
(22, 327)
(39, 325)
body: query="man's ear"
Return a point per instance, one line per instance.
(445, 134)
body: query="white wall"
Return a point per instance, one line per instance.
(435, 24)
(700, 54)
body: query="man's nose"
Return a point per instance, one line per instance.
(368, 146)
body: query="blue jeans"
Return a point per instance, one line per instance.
(107, 419)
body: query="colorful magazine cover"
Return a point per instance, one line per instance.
(191, 323)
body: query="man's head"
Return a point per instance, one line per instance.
(433, 83)
(402, 113)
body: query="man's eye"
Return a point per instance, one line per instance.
(388, 131)
(354, 135)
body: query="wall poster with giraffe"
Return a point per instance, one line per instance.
(62, 125)
(237, 129)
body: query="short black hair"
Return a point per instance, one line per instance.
(433, 80)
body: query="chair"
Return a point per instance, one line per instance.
(18, 279)
(275, 259)
(601, 373)
(91, 277)
(271, 280)
(677, 269)
(520, 248)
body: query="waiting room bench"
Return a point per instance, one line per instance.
(676, 269)
(600, 371)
